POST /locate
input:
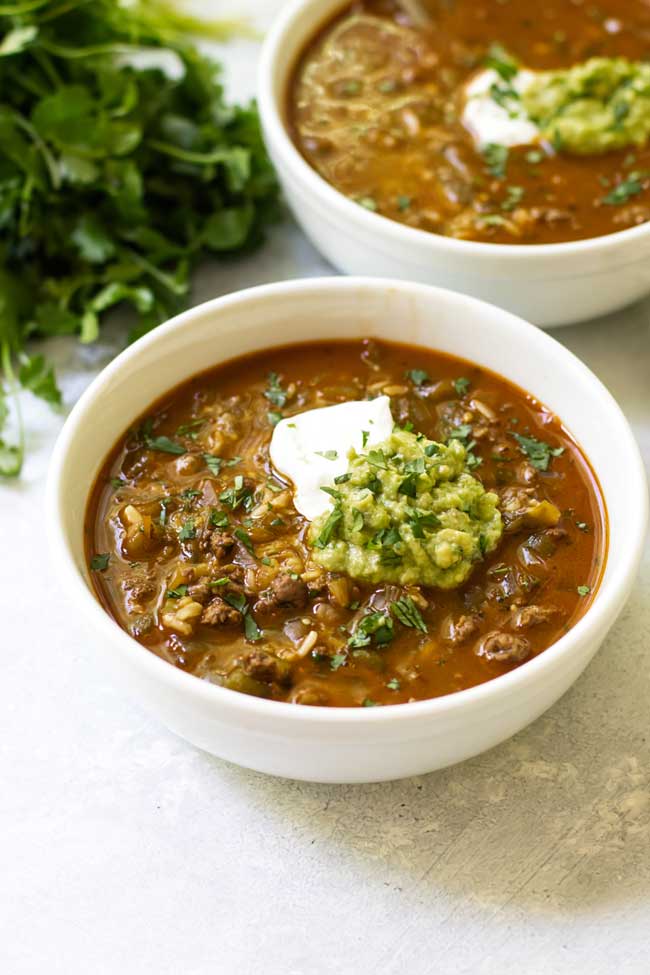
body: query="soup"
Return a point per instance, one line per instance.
(427, 127)
(407, 465)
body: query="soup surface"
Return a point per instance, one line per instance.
(197, 549)
(376, 107)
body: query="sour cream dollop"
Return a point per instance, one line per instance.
(312, 448)
(492, 122)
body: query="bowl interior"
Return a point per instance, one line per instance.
(353, 308)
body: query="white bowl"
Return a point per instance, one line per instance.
(549, 284)
(358, 744)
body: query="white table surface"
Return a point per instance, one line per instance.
(125, 850)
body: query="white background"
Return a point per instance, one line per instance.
(124, 850)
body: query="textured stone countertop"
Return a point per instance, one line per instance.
(125, 850)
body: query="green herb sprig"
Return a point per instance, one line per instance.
(115, 180)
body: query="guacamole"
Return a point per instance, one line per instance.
(593, 107)
(407, 511)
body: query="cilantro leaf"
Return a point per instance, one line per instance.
(163, 444)
(275, 393)
(99, 562)
(329, 527)
(417, 376)
(408, 614)
(538, 452)
(496, 159)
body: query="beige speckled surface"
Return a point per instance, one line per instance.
(123, 849)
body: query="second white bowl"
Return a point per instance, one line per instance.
(549, 284)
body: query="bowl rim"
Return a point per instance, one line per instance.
(608, 600)
(273, 60)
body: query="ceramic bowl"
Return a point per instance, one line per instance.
(548, 284)
(348, 744)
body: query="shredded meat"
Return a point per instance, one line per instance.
(265, 667)
(219, 613)
(505, 648)
(529, 616)
(284, 591)
(462, 629)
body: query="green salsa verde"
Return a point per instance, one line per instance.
(408, 512)
(593, 107)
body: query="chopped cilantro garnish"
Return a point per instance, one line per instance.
(188, 530)
(417, 376)
(461, 432)
(403, 203)
(274, 392)
(377, 627)
(214, 464)
(189, 493)
(500, 61)
(190, 429)
(223, 581)
(178, 592)
(421, 520)
(333, 493)
(329, 527)
(496, 159)
(408, 486)
(116, 482)
(245, 539)
(337, 661)
(408, 614)
(378, 459)
(342, 478)
(364, 437)
(218, 519)
(163, 444)
(357, 520)
(328, 454)
(513, 198)
(461, 385)
(393, 684)
(538, 452)
(534, 156)
(99, 563)
(237, 494)
(251, 629)
(623, 191)
(584, 590)
(273, 417)
(369, 703)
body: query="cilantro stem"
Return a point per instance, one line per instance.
(18, 451)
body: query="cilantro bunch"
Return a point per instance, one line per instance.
(115, 179)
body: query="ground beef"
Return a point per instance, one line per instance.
(532, 615)
(462, 629)
(265, 667)
(138, 588)
(284, 591)
(505, 648)
(221, 543)
(219, 613)
(200, 592)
